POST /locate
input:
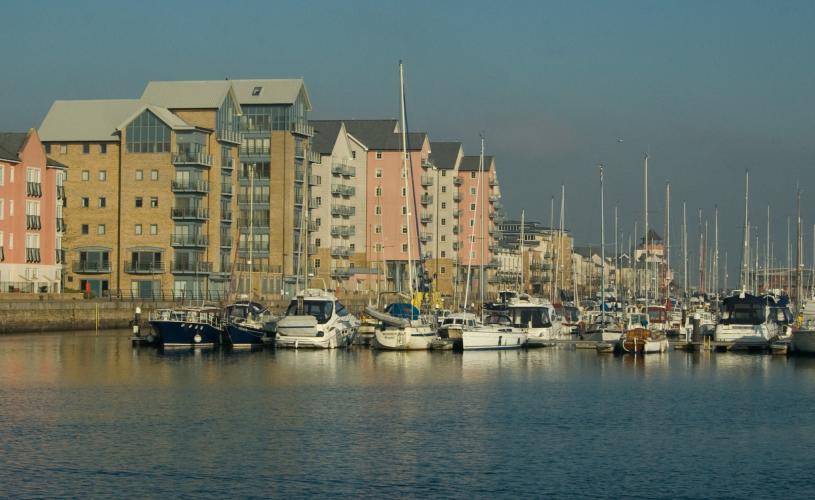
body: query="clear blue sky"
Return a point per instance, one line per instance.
(709, 88)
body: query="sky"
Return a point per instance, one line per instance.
(709, 89)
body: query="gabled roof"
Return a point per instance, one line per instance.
(382, 135)
(325, 135)
(11, 143)
(445, 154)
(471, 163)
(85, 120)
(199, 94)
(277, 91)
(50, 162)
(168, 117)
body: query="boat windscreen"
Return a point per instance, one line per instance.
(536, 317)
(743, 313)
(320, 309)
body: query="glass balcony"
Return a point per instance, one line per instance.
(303, 129)
(457, 197)
(343, 231)
(457, 213)
(425, 237)
(342, 272)
(343, 170)
(189, 240)
(227, 163)
(313, 180)
(226, 189)
(230, 136)
(314, 157)
(226, 215)
(192, 158)
(191, 267)
(343, 210)
(343, 190)
(427, 199)
(91, 267)
(144, 267)
(190, 186)
(341, 251)
(426, 218)
(427, 180)
(189, 213)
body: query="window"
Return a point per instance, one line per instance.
(404, 172)
(63, 149)
(154, 202)
(317, 242)
(354, 155)
(472, 222)
(85, 202)
(353, 247)
(86, 148)
(139, 175)
(378, 191)
(86, 175)
(153, 229)
(139, 202)
(102, 202)
(404, 191)
(378, 210)
(444, 173)
(318, 222)
(444, 204)
(2, 176)
(84, 229)
(318, 201)
(47, 149)
(377, 229)
(100, 229)
(11, 208)
(472, 191)
(316, 263)
(379, 155)
(1, 208)
(137, 229)
(378, 247)
(11, 175)
(147, 134)
(472, 207)
(378, 173)
(444, 189)
(103, 149)
(472, 175)
(444, 237)
(256, 91)
(403, 229)
(404, 247)
(443, 255)
(103, 175)
(404, 210)
(154, 175)
(444, 222)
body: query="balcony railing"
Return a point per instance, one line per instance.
(85, 267)
(190, 213)
(456, 196)
(342, 272)
(227, 163)
(192, 158)
(315, 202)
(343, 210)
(226, 215)
(33, 189)
(426, 163)
(425, 237)
(343, 190)
(302, 129)
(187, 267)
(60, 192)
(427, 180)
(60, 255)
(32, 254)
(299, 152)
(343, 231)
(341, 251)
(313, 180)
(61, 226)
(427, 218)
(493, 182)
(343, 170)
(144, 267)
(457, 213)
(314, 157)
(230, 136)
(299, 175)
(189, 240)
(458, 180)
(226, 240)
(33, 222)
(427, 199)
(456, 229)
(190, 186)
(226, 189)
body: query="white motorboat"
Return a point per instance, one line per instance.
(316, 319)
(496, 333)
(749, 321)
(803, 338)
(454, 324)
(536, 318)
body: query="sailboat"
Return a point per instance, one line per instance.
(643, 340)
(401, 326)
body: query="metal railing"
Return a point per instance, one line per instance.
(144, 267)
(189, 240)
(226, 215)
(341, 251)
(61, 226)
(192, 158)
(343, 210)
(426, 218)
(33, 222)
(85, 267)
(427, 180)
(32, 255)
(427, 199)
(191, 267)
(343, 231)
(302, 129)
(313, 180)
(230, 136)
(456, 196)
(343, 190)
(33, 189)
(226, 189)
(457, 213)
(314, 157)
(190, 186)
(189, 213)
(227, 163)
(458, 180)
(425, 237)
(343, 170)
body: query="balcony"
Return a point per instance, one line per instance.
(313, 180)
(144, 267)
(493, 182)
(456, 197)
(189, 213)
(227, 163)
(192, 158)
(33, 189)
(341, 251)
(32, 254)
(230, 136)
(303, 129)
(494, 198)
(343, 190)
(226, 189)
(33, 222)
(300, 152)
(60, 192)
(86, 267)
(189, 240)
(457, 213)
(456, 229)
(315, 202)
(299, 175)
(426, 218)
(343, 210)
(426, 163)
(226, 215)
(259, 220)
(314, 157)
(190, 186)
(312, 226)
(491, 216)
(458, 180)
(226, 241)
(186, 267)
(456, 246)
(343, 170)
(427, 199)
(427, 180)
(425, 237)
(343, 231)
(61, 226)
(342, 272)
(298, 199)
(60, 255)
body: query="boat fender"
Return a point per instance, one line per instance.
(197, 338)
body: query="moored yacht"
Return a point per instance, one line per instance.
(497, 332)
(190, 326)
(317, 319)
(401, 328)
(536, 318)
(747, 321)
(246, 323)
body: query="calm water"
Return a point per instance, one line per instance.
(85, 415)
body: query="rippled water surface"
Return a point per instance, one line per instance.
(87, 415)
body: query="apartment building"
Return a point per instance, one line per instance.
(446, 158)
(150, 199)
(546, 257)
(339, 207)
(31, 218)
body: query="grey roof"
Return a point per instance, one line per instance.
(279, 91)
(54, 163)
(382, 135)
(85, 120)
(168, 117)
(11, 143)
(325, 135)
(198, 94)
(445, 154)
(471, 163)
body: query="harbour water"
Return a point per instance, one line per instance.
(87, 415)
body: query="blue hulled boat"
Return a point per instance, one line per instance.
(187, 326)
(246, 323)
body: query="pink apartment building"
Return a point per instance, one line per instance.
(477, 204)
(31, 224)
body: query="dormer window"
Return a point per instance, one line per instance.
(256, 91)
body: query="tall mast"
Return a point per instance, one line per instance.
(684, 250)
(716, 252)
(602, 249)
(481, 239)
(744, 253)
(553, 272)
(789, 259)
(645, 232)
(799, 249)
(405, 176)
(667, 238)
(560, 259)
(252, 228)
(767, 254)
(521, 250)
(701, 255)
(637, 281)
(616, 261)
